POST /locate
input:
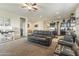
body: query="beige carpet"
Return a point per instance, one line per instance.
(22, 47)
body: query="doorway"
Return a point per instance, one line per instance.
(22, 27)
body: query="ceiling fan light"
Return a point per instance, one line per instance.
(24, 4)
(29, 7)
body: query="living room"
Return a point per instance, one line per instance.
(39, 29)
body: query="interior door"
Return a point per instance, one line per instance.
(22, 27)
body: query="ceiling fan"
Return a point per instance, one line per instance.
(30, 6)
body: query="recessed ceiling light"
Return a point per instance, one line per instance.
(40, 16)
(57, 12)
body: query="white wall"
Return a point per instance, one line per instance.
(15, 21)
(77, 22)
(39, 23)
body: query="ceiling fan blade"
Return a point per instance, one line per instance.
(30, 6)
(26, 3)
(35, 8)
(34, 4)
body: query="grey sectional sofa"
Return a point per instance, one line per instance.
(41, 37)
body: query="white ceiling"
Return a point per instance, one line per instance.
(45, 9)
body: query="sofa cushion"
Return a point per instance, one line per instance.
(65, 43)
(36, 38)
(67, 52)
(68, 38)
(43, 33)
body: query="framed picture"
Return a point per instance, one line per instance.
(36, 25)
